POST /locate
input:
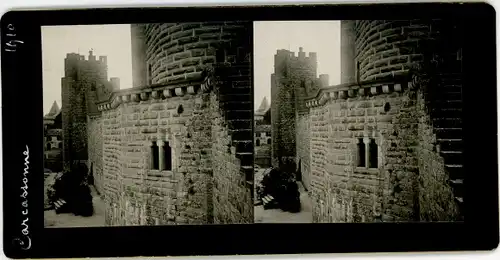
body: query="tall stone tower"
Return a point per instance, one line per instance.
(294, 79)
(84, 83)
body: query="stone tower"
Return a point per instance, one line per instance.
(294, 79)
(83, 84)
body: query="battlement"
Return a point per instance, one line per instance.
(291, 54)
(73, 56)
(77, 57)
(157, 92)
(283, 52)
(362, 89)
(103, 59)
(91, 56)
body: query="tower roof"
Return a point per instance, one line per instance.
(264, 106)
(54, 110)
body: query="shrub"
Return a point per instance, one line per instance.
(73, 187)
(283, 187)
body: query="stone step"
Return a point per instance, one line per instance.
(239, 124)
(241, 134)
(238, 114)
(247, 171)
(452, 157)
(450, 132)
(457, 181)
(450, 87)
(246, 158)
(452, 68)
(235, 98)
(447, 113)
(458, 187)
(447, 122)
(444, 95)
(451, 144)
(59, 203)
(243, 145)
(237, 105)
(267, 199)
(455, 171)
(440, 104)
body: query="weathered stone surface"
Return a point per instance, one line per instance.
(411, 181)
(205, 184)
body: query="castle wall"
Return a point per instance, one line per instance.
(140, 194)
(208, 125)
(112, 166)
(410, 183)
(95, 150)
(414, 127)
(207, 183)
(303, 136)
(344, 192)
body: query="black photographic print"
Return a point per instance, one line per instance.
(249, 130)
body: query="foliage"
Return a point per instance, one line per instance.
(283, 187)
(73, 187)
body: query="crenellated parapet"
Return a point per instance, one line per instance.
(353, 90)
(156, 92)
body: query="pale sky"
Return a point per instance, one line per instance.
(322, 37)
(112, 41)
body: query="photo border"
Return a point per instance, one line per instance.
(23, 126)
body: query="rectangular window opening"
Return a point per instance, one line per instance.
(155, 165)
(167, 156)
(220, 55)
(373, 154)
(361, 153)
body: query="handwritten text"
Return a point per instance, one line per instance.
(11, 42)
(25, 241)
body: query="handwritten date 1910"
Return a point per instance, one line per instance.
(11, 42)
